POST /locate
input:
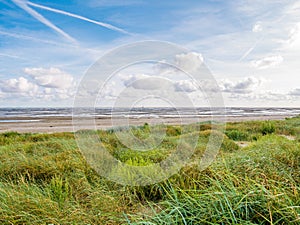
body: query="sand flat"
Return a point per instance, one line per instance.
(65, 124)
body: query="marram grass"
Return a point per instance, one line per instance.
(44, 179)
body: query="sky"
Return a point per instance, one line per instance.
(251, 48)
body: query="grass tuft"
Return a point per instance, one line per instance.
(44, 178)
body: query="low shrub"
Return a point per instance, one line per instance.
(237, 135)
(267, 127)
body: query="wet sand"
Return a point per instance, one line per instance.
(65, 124)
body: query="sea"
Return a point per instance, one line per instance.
(34, 114)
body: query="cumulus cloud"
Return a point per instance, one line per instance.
(145, 82)
(274, 96)
(19, 85)
(263, 96)
(244, 86)
(257, 27)
(185, 86)
(109, 91)
(50, 78)
(148, 82)
(295, 92)
(189, 61)
(268, 61)
(268, 96)
(46, 84)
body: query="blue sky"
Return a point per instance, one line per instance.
(251, 47)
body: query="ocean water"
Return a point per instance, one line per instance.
(33, 114)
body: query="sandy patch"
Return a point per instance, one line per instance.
(64, 124)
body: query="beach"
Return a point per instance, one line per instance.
(55, 124)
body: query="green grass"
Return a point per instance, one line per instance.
(254, 186)
(44, 179)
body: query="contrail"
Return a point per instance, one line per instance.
(25, 37)
(39, 17)
(251, 49)
(106, 25)
(247, 52)
(21, 36)
(10, 56)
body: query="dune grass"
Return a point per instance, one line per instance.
(44, 179)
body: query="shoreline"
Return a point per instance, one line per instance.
(64, 124)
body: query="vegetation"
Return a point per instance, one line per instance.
(44, 179)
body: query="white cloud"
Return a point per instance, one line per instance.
(268, 61)
(244, 86)
(189, 61)
(207, 86)
(48, 84)
(293, 41)
(50, 78)
(264, 96)
(109, 91)
(19, 86)
(257, 27)
(51, 94)
(150, 83)
(185, 86)
(274, 96)
(145, 82)
(295, 92)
